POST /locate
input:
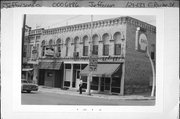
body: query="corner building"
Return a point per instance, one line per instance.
(64, 56)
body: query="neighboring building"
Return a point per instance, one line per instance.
(63, 56)
(30, 51)
(26, 44)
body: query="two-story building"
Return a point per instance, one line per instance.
(64, 56)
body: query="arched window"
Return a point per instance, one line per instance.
(105, 39)
(43, 47)
(95, 40)
(117, 43)
(76, 44)
(67, 46)
(85, 45)
(50, 43)
(58, 45)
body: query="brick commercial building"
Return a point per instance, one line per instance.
(63, 56)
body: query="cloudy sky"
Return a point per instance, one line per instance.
(51, 21)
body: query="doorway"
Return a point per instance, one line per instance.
(105, 84)
(76, 78)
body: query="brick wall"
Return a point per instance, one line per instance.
(81, 33)
(138, 71)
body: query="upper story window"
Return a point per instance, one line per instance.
(153, 50)
(95, 40)
(50, 43)
(76, 44)
(85, 45)
(43, 47)
(37, 37)
(117, 43)
(24, 50)
(105, 39)
(68, 45)
(58, 43)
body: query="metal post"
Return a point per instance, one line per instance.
(23, 36)
(91, 49)
(153, 71)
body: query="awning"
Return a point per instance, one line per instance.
(27, 69)
(50, 65)
(103, 70)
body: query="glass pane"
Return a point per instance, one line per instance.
(95, 81)
(85, 51)
(117, 49)
(78, 74)
(95, 49)
(106, 50)
(84, 78)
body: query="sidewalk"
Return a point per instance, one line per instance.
(93, 95)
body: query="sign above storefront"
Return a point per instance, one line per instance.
(49, 52)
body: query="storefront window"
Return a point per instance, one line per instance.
(84, 79)
(49, 74)
(115, 86)
(95, 83)
(78, 74)
(67, 66)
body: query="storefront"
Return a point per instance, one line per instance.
(72, 74)
(106, 79)
(27, 74)
(51, 74)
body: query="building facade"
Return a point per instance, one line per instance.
(63, 56)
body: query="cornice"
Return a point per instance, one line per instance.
(141, 24)
(100, 24)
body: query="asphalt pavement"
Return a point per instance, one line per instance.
(53, 96)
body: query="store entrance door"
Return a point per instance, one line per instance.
(77, 78)
(105, 84)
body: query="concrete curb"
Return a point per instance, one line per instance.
(84, 94)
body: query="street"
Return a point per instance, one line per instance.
(46, 98)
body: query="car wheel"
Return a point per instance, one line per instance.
(28, 91)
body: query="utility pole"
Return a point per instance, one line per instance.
(90, 69)
(153, 71)
(23, 36)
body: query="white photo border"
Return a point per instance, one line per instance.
(17, 27)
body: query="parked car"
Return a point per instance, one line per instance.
(28, 86)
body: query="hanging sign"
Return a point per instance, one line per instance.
(49, 52)
(141, 43)
(93, 61)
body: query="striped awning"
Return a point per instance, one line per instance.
(103, 70)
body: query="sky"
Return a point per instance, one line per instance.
(52, 21)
